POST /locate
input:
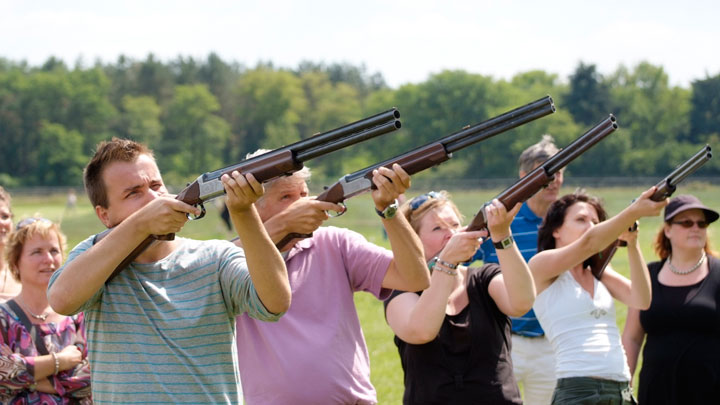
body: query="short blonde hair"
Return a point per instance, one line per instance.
(19, 237)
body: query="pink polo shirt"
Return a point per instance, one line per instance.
(316, 352)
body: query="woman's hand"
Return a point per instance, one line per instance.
(499, 219)
(461, 246)
(69, 357)
(630, 236)
(643, 206)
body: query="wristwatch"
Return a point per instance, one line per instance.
(505, 243)
(389, 211)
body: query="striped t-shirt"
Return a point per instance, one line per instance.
(163, 332)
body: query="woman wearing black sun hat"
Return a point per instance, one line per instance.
(681, 358)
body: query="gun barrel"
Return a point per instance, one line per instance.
(493, 126)
(467, 136)
(336, 144)
(690, 166)
(317, 142)
(580, 145)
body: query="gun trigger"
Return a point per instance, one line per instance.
(339, 213)
(202, 213)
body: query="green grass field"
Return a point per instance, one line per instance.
(386, 371)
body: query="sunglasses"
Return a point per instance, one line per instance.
(688, 223)
(27, 221)
(416, 202)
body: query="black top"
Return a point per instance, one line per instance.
(681, 359)
(469, 361)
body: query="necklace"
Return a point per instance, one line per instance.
(688, 271)
(41, 317)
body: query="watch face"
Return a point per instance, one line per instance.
(390, 211)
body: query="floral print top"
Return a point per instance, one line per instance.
(17, 361)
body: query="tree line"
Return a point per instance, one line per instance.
(203, 114)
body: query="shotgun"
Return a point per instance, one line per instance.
(431, 154)
(542, 175)
(665, 188)
(279, 162)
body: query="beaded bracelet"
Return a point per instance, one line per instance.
(443, 268)
(57, 363)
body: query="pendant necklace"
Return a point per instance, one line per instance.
(41, 317)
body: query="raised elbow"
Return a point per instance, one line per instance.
(420, 336)
(522, 307)
(643, 305)
(60, 302)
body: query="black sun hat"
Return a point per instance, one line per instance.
(686, 202)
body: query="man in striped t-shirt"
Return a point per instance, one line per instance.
(532, 355)
(162, 331)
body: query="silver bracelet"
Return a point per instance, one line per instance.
(443, 268)
(444, 263)
(57, 363)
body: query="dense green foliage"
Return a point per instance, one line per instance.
(200, 115)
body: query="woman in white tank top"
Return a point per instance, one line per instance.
(576, 310)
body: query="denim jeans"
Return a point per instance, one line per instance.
(592, 391)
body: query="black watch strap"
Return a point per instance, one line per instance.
(505, 243)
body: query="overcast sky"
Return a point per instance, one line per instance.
(405, 40)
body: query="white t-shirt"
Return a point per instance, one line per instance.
(582, 330)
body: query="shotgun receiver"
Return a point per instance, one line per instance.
(542, 175)
(665, 188)
(431, 154)
(282, 161)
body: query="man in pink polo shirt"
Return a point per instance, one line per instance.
(316, 353)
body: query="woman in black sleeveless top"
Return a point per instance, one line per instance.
(454, 337)
(681, 358)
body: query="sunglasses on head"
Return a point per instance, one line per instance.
(688, 223)
(27, 221)
(416, 202)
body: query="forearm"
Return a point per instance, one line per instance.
(265, 263)
(519, 283)
(632, 351)
(640, 288)
(606, 232)
(276, 227)
(408, 255)
(426, 318)
(87, 273)
(632, 338)
(44, 367)
(45, 386)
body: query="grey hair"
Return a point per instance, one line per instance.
(536, 154)
(303, 174)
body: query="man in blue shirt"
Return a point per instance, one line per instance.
(532, 354)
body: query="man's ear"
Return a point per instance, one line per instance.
(102, 214)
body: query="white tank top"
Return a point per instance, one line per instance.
(582, 330)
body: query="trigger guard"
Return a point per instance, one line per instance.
(191, 217)
(339, 213)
